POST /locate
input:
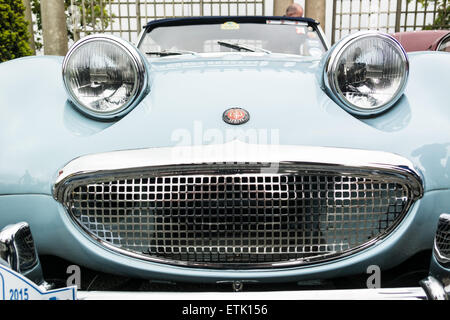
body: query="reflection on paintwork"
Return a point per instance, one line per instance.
(435, 156)
(79, 124)
(395, 119)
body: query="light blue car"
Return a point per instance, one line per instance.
(228, 149)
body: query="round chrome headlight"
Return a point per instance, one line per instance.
(366, 72)
(104, 75)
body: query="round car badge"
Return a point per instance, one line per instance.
(236, 116)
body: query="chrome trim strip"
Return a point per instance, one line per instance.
(139, 64)
(330, 69)
(341, 160)
(324, 37)
(141, 37)
(238, 152)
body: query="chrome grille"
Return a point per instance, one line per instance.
(238, 215)
(442, 239)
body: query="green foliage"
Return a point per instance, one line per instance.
(80, 14)
(442, 19)
(36, 10)
(13, 30)
(91, 14)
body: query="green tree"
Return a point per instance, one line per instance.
(13, 30)
(442, 19)
(80, 15)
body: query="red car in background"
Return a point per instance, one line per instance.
(434, 40)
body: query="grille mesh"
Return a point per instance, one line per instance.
(243, 218)
(442, 239)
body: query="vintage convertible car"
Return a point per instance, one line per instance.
(423, 40)
(228, 149)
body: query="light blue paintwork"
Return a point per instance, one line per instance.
(40, 132)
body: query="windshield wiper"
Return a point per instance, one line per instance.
(240, 47)
(165, 53)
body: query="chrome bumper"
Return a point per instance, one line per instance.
(437, 284)
(18, 252)
(415, 293)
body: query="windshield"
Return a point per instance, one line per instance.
(274, 36)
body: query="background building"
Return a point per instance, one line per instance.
(125, 18)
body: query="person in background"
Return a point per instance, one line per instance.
(294, 10)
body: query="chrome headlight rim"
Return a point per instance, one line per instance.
(330, 66)
(441, 42)
(139, 65)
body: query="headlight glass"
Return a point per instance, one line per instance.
(368, 73)
(102, 76)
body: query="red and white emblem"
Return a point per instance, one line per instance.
(236, 116)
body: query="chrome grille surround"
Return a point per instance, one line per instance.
(442, 240)
(238, 214)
